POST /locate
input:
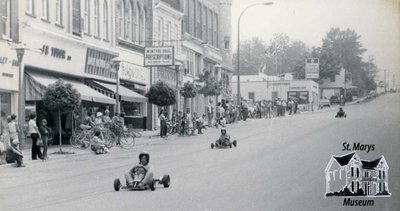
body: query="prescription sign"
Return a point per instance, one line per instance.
(159, 56)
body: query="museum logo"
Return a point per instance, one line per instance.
(349, 176)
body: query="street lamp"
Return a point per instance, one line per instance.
(238, 47)
(20, 49)
(115, 63)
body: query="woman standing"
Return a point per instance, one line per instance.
(163, 123)
(33, 132)
(44, 132)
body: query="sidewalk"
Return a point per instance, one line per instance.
(148, 137)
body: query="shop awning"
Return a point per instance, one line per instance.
(125, 93)
(87, 93)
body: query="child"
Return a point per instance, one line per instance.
(224, 138)
(14, 154)
(200, 123)
(98, 145)
(340, 113)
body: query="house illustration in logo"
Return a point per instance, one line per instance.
(348, 175)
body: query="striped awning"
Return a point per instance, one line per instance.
(37, 83)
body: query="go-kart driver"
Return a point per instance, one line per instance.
(144, 158)
(340, 113)
(224, 138)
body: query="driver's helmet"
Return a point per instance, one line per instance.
(144, 153)
(223, 129)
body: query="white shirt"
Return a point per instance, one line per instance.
(32, 127)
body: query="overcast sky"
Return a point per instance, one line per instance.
(377, 21)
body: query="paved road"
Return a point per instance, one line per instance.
(278, 165)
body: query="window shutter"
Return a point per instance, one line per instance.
(76, 17)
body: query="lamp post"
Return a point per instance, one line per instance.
(238, 47)
(115, 64)
(21, 87)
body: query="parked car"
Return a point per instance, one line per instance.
(334, 100)
(324, 103)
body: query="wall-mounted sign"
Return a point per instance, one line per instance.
(135, 73)
(312, 68)
(99, 63)
(55, 52)
(159, 56)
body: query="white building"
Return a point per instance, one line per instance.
(207, 37)
(167, 25)
(9, 72)
(263, 87)
(76, 40)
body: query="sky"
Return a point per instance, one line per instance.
(377, 21)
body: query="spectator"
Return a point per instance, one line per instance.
(33, 132)
(284, 104)
(44, 132)
(14, 153)
(98, 146)
(200, 124)
(163, 123)
(13, 128)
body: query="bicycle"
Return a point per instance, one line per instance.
(125, 138)
(172, 127)
(83, 138)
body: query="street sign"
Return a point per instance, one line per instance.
(159, 56)
(312, 68)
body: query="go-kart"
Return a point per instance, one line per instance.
(341, 115)
(225, 144)
(138, 175)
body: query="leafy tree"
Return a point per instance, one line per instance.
(342, 48)
(252, 56)
(161, 94)
(211, 87)
(61, 97)
(188, 90)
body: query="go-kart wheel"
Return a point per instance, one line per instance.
(212, 146)
(235, 143)
(165, 181)
(230, 145)
(117, 184)
(152, 186)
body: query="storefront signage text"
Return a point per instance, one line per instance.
(279, 84)
(55, 52)
(99, 63)
(297, 87)
(133, 72)
(159, 56)
(6, 60)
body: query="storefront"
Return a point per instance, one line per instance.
(305, 91)
(81, 64)
(9, 74)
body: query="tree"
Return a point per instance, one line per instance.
(61, 97)
(188, 90)
(252, 56)
(341, 48)
(211, 86)
(161, 94)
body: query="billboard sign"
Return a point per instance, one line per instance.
(312, 68)
(159, 56)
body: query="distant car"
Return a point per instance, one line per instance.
(334, 100)
(324, 103)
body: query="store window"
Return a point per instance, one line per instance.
(5, 104)
(132, 109)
